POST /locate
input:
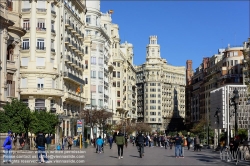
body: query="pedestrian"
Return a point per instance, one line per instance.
(197, 143)
(110, 141)
(65, 141)
(48, 142)
(120, 141)
(7, 158)
(126, 140)
(178, 142)
(22, 141)
(188, 141)
(70, 143)
(99, 143)
(40, 143)
(166, 142)
(149, 141)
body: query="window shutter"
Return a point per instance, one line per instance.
(24, 83)
(24, 61)
(40, 61)
(12, 90)
(41, 4)
(26, 4)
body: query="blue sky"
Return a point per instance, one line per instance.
(185, 30)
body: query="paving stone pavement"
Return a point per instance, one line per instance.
(153, 156)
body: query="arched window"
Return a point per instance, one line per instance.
(10, 52)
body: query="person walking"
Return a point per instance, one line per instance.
(48, 142)
(110, 141)
(178, 142)
(70, 143)
(99, 143)
(120, 141)
(40, 142)
(197, 143)
(188, 141)
(126, 140)
(7, 158)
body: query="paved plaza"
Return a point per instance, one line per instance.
(153, 156)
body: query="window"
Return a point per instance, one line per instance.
(88, 32)
(118, 83)
(86, 50)
(114, 84)
(118, 74)
(118, 103)
(93, 60)
(114, 63)
(235, 53)
(24, 61)
(118, 64)
(152, 113)
(40, 83)
(93, 102)
(24, 83)
(10, 85)
(40, 104)
(52, 83)
(105, 26)
(40, 44)
(118, 94)
(153, 107)
(100, 89)
(100, 73)
(40, 24)
(114, 74)
(26, 44)
(93, 88)
(9, 5)
(25, 102)
(86, 64)
(88, 19)
(25, 5)
(52, 103)
(152, 101)
(86, 80)
(159, 108)
(236, 62)
(100, 102)
(26, 24)
(100, 61)
(40, 62)
(93, 74)
(52, 26)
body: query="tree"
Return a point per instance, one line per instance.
(44, 121)
(199, 127)
(143, 127)
(16, 117)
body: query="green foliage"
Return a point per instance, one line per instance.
(44, 121)
(243, 133)
(16, 117)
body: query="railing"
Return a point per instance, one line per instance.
(53, 31)
(41, 48)
(73, 77)
(40, 29)
(26, 28)
(53, 50)
(26, 10)
(53, 12)
(41, 10)
(25, 48)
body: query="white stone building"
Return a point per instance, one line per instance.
(161, 91)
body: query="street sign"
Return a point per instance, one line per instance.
(79, 129)
(79, 126)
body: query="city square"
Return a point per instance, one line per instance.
(75, 73)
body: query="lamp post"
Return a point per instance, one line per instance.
(234, 102)
(217, 116)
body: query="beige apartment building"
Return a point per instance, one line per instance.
(11, 32)
(161, 91)
(52, 54)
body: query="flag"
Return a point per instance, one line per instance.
(78, 90)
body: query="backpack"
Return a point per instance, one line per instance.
(189, 139)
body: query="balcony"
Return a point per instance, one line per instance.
(25, 48)
(53, 110)
(53, 31)
(71, 26)
(26, 10)
(67, 23)
(11, 65)
(53, 50)
(38, 10)
(44, 91)
(26, 28)
(53, 12)
(81, 35)
(74, 78)
(67, 40)
(41, 48)
(41, 29)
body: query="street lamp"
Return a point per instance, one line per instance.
(234, 102)
(217, 116)
(124, 125)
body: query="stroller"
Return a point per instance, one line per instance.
(102, 149)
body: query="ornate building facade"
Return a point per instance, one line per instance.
(161, 91)
(11, 32)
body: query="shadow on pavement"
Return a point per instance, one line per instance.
(113, 156)
(134, 156)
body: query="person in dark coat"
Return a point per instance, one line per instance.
(40, 143)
